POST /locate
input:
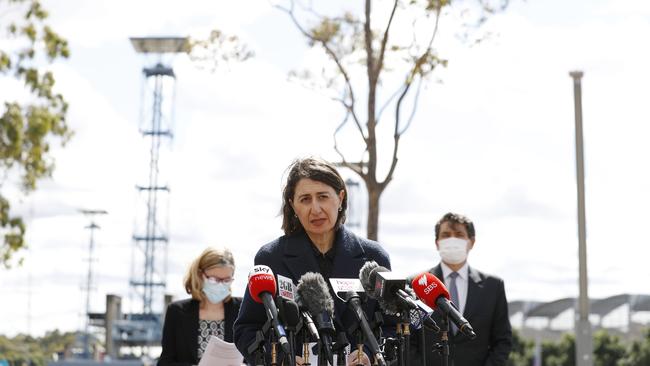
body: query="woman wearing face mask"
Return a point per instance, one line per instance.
(210, 311)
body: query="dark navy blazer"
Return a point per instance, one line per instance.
(292, 256)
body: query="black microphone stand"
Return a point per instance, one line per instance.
(293, 329)
(322, 360)
(257, 347)
(375, 326)
(357, 334)
(274, 349)
(305, 349)
(403, 338)
(339, 347)
(291, 357)
(443, 346)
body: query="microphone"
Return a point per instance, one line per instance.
(391, 293)
(313, 294)
(434, 293)
(353, 301)
(385, 293)
(290, 314)
(261, 286)
(287, 291)
(311, 327)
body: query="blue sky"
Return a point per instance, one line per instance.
(493, 139)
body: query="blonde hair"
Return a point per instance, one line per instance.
(210, 258)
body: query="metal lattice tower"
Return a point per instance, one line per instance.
(151, 237)
(89, 287)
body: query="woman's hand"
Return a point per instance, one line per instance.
(355, 359)
(299, 361)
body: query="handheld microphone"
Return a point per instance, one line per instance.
(311, 327)
(312, 293)
(290, 315)
(262, 288)
(434, 293)
(353, 301)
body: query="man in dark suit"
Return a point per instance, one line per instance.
(480, 298)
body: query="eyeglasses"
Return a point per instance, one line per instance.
(213, 279)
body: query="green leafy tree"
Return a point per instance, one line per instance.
(522, 352)
(638, 353)
(24, 350)
(216, 49)
(378, 58)
(608, 349)
(561, 353)
(29, 124)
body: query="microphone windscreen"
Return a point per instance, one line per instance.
(260, 280)
(312, 292)
(364, 277)
(428, 288)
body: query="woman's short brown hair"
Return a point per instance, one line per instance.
(314, 169)
(210, 258)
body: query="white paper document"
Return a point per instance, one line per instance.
(221, 353)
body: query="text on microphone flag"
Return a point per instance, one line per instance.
(286, 288)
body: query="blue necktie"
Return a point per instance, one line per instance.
(453, 291)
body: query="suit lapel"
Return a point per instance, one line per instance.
(472, 303)
(437, 271)
(298, 256)
(350, 257)
(474, 289)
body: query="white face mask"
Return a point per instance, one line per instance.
(453, 250)
(215, 292)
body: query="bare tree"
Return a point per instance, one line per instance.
(363, 58)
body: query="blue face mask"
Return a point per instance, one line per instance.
(216, 292)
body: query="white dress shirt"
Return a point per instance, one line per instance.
(461, 283)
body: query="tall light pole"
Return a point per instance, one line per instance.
(584, 346)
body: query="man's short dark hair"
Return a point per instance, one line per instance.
(456, 219)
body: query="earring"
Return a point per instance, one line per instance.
(295, 216)
(340, 208)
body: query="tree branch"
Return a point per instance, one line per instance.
(395, 94)
(384, 41)
(407, 86)
(415, 106)
(341, 68)
(396, 134)
(368, 42)
(356, 167)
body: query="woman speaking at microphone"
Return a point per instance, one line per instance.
(314, 202)
(210, 311)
